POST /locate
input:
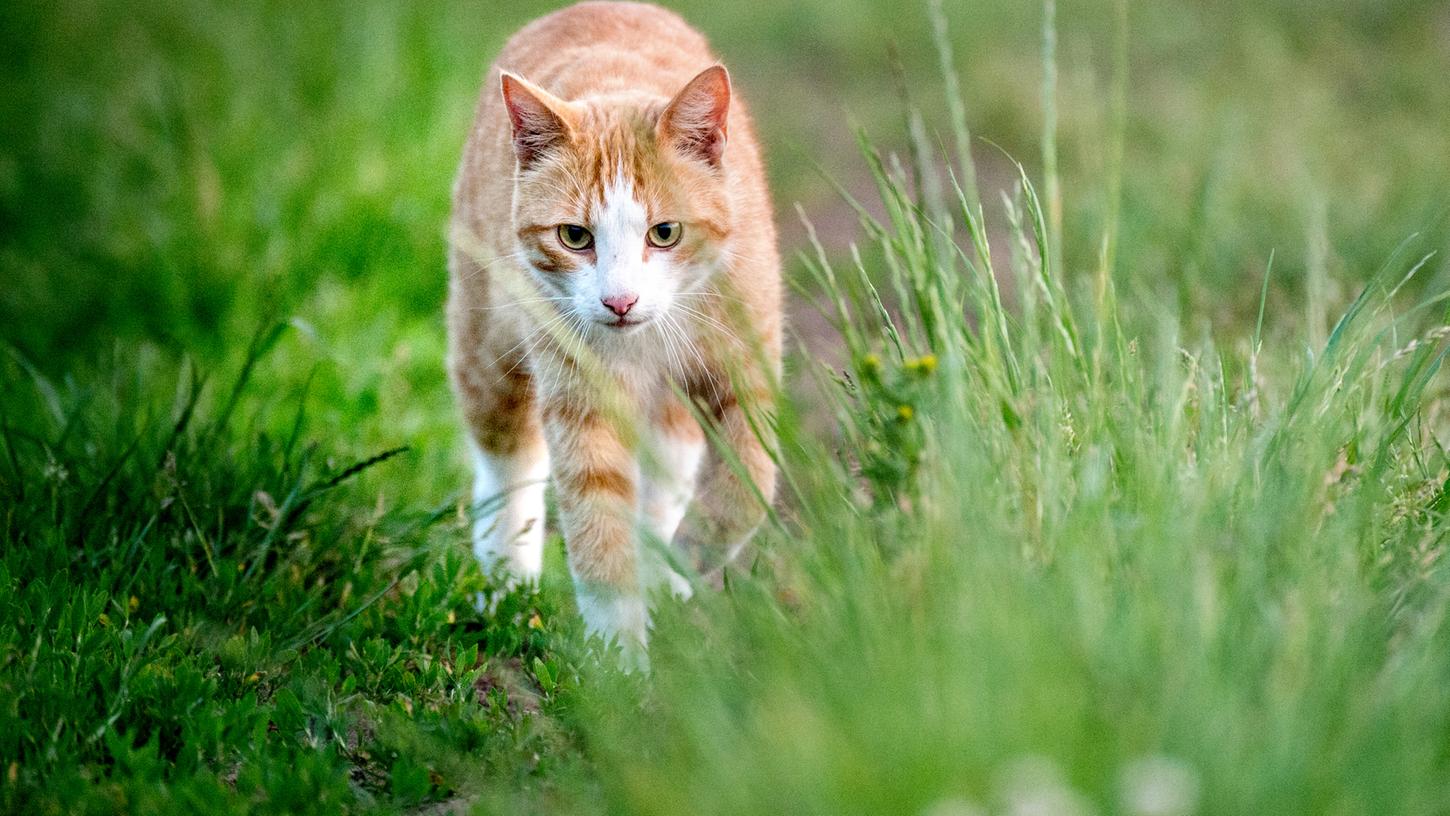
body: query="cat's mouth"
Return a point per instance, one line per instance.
(626, 323)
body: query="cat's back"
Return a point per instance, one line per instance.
(595, 47)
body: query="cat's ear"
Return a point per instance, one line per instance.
(694, 121)
(540, 120)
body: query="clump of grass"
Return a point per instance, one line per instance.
(1067, 559)
(201, 609)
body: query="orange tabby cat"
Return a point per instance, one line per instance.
(612, 249)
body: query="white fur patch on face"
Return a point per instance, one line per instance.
(622, 270)
(622, 225)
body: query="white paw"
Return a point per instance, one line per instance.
(508, 507)
(679, 585)
(657, 572)
(618, 618)
(511, 558)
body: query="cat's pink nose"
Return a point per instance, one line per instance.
(621, 304)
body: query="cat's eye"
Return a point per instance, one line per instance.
(665, 235)
(575, 237)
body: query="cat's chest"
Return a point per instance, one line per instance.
(649, 369)
(654, 371)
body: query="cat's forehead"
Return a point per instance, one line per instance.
(618, 142)
(614, 157)
(614, 153)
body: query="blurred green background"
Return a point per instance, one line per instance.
(171, 172)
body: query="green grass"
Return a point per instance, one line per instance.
(1122, 493)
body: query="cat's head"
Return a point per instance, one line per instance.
(620, 204)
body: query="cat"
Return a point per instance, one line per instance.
(613, 277)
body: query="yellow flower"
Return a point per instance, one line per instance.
(926, 364)
(905, 412)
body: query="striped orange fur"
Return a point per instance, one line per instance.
(613, 254)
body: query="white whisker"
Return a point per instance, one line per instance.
(541, 329)
(514, 304)
(669, 345)
(482, 266)
(707, 319)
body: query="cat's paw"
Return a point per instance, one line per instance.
(660, 575)
(679, 585)
(618, 618)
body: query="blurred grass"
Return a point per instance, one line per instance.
(1201, 553)
(210, 163)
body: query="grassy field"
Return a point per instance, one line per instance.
(1113, 481)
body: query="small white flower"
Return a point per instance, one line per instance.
(1034, 786)
(953, 806)
(1158, 785)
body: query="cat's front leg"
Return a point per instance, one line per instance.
(727, 508)
(508, 508)
(596, 487)
(668, 482)
(496, 391)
